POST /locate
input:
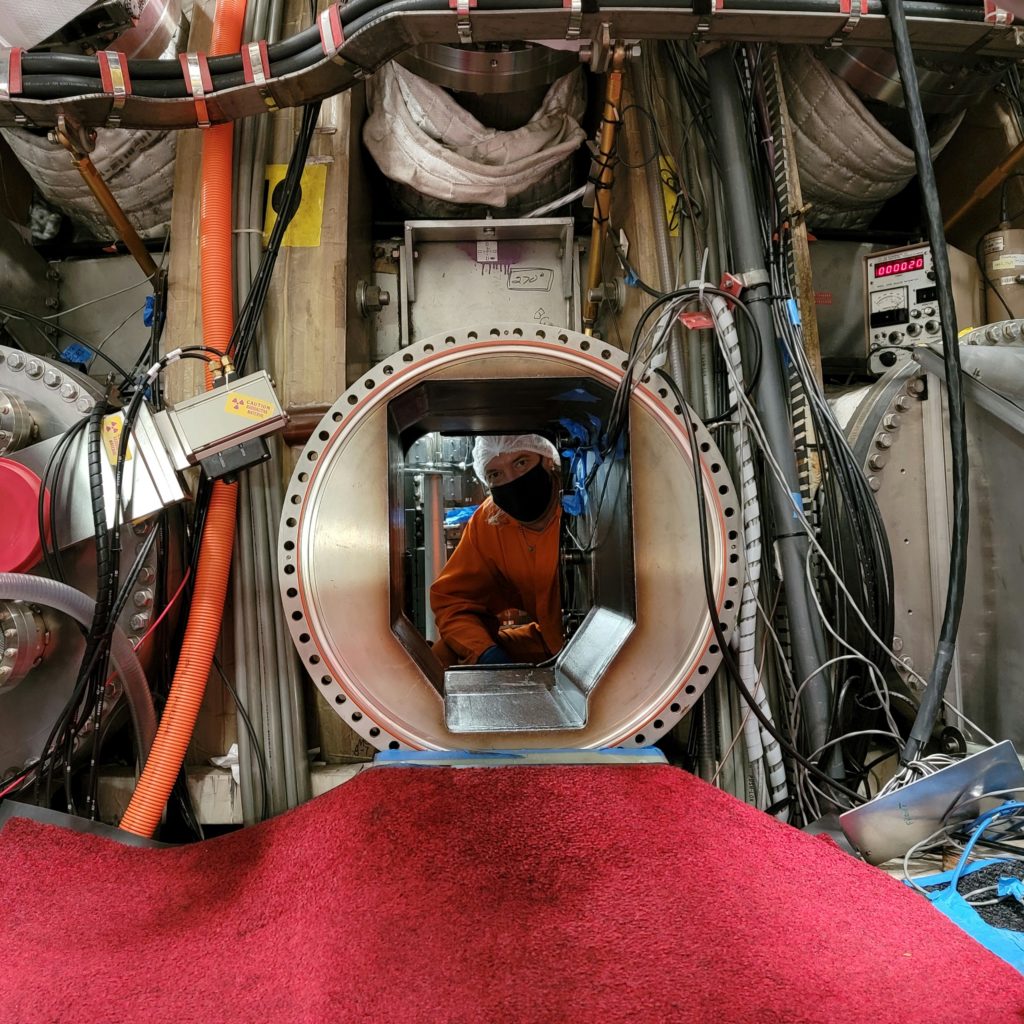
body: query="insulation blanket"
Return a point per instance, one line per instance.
(422, 138)
(849, 163)
(138, 167)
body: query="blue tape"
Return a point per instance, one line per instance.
(147, 310)
(798, 503)
(1010, 886)
(77, 355)
(794, 312)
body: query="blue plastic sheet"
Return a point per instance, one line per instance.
(459, 516)
(1007, 945)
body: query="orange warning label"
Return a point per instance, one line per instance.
(249, 407)
(112, 438)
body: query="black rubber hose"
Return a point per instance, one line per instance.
(931, 702)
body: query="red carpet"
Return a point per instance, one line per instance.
(561, 894)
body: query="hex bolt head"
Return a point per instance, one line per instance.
(34, 369)
(84, 404)
(891, 421)
(138, 622)
(877, 460)
(53, 378)
(897, 644)
(902, 404)
(873, 483)
(883, 441)
(916, 386)
(69, 392)
(15, 360)
(143, 598)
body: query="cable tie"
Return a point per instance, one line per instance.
(256, 69)
(116, 80)
(332, 35)
(198, 82)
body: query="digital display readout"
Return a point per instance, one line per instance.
(904, 265)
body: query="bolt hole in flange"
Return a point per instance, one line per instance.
(343, 545)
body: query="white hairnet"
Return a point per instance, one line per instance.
(486, 448)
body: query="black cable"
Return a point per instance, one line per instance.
(21, 314)
(931, 702)
(709, 591)
(253, 739)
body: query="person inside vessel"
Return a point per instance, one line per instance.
(508, 558)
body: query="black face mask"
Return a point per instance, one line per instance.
(527, 497)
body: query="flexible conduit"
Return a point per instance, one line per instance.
(762, 748)
(214, 566)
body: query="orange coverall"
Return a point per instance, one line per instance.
(499, 565)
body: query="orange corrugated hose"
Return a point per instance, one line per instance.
(210, 591)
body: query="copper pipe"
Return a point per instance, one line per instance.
(301, 424)
(610, 123)
(117, 217)
(989, 184)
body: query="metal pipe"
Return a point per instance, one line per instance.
(988, 185)
(123, 227)
(611, 119)
(729, 123)
(435, 552)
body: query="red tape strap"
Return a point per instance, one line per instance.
(256, 62)
(331, 33)
(10, 72)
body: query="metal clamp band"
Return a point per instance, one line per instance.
(853, 9)
(332, 36)
(575, 9)
(10, 73)
(996, 15)
(116, 80)
(462, 9)
(198, 82)
(256, 68)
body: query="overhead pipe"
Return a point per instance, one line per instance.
(202, 631)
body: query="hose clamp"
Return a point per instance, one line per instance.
(256, 68)
(199, 83)
(575, 9)
(115, 79)
(462, 9)
(332, 35)
(853, 9)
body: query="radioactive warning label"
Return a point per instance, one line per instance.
(249, 407)
(112, 425)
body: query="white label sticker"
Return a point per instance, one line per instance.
(1007, 280)
(487, 252)
(1009, 262)
(994, 244)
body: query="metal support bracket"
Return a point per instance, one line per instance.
(853, 9)
(462, 9)
(198, 82)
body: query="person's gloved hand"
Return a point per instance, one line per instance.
(494, 656)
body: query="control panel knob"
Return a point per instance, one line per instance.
(932, 327)
(915, 314)
(895, 337)
(913, 330)
(929, 311)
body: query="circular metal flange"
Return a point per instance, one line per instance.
(334, 560)
(16, 425)
(23, 637)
